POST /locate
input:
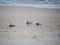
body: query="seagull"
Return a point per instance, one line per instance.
(37, 23)
(11, 25)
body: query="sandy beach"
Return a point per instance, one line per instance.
(23, 34)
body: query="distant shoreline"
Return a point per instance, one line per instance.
(50, 6)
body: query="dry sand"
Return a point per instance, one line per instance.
(24, 34)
